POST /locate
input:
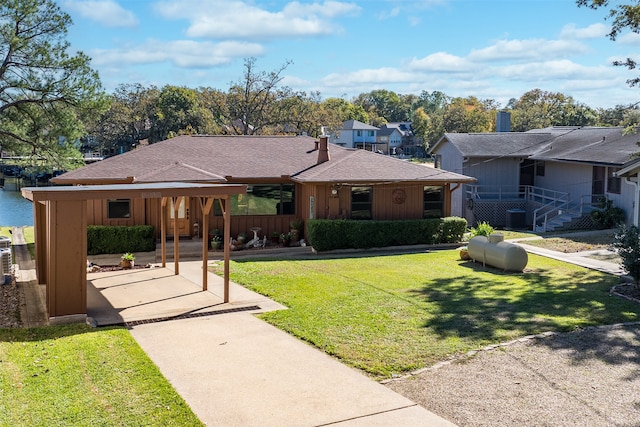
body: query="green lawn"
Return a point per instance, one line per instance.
(391, 314)
(78, 376)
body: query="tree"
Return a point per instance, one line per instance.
(422, 126)
(537, 109)
(127, 121)
(215, 102)
(469, 115)
(177, 112)
(434, 102)
(624, 16)
(434, 106)
(46, 95)
(385, 104)
(254, 103)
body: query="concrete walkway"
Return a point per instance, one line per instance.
(583, 259)
(234, 369)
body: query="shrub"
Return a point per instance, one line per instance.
(483, 229)
(607, 215)
(326, 234)
(102, 239)
(627, 242)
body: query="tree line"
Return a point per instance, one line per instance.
(257, 105)
(52, 104)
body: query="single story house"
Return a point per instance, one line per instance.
(287, 177)
(548, 178)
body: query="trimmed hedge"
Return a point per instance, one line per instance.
(326, 234)
(102, 239)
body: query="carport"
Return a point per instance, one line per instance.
(60, 220)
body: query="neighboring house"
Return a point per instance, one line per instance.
(288, 177)
(355, 134)
(409, 145)
(555, 175)
(388, 140)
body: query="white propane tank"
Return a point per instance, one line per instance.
(497, 253)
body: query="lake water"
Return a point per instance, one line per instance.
(15, 210)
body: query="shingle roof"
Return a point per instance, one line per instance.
(353, 165)
(497, 144)
(598, 145)
(603, 145)
(243, 158)
(388, 131)
(356, 125)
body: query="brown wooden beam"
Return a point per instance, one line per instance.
(205, 205)
(176, 237)
(163, 230)
(226, 215)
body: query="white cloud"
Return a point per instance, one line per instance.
(107, 12)
(551, 70)
(593, 31)
(379, 75)
(527, 49)
(441, 62)
(181, 53)
(630, 39)
(240, 19)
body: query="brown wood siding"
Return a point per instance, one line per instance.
(152, 215)
(97, 213)
(384, 207)
(326, 207)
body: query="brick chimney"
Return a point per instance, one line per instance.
(323, 150)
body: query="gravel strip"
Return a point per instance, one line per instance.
(10, 301)
(585, 378)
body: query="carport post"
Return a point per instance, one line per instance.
(226, 214)
(163, 230)
(176, 251)
(205, 205)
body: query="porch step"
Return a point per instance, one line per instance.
(564, 222)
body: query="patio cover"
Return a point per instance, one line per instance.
(60, 220)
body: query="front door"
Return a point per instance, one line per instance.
(183, 217)
(597, 184)
(527, 173)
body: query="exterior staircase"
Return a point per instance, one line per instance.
(566, 221)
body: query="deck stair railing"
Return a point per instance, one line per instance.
(550, 208)
(550, 216)
(527, 192)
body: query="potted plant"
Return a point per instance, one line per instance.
(464, 253)
(275, 237)
(285, 239)
(213, 233)
(242, 238)
(216, 242)
(127, 259)
(295, 226)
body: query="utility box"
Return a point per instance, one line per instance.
(516, 219)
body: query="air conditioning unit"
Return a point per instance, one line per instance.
(5, 260)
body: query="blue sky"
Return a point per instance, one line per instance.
(490, 49)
